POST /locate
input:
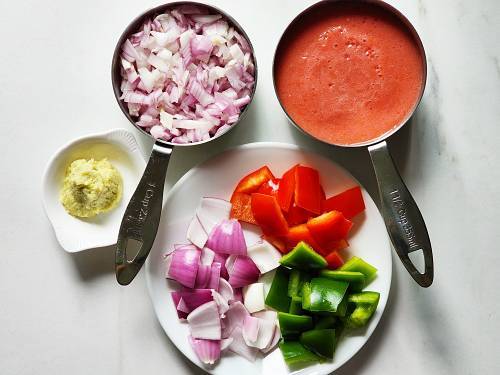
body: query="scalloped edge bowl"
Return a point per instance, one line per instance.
(120, 147)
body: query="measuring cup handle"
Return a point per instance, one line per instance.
(402, 217)
(142, 216)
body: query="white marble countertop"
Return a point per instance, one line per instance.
(65, 314)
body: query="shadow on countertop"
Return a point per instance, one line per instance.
(93, 263)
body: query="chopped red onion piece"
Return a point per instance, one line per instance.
(222, 303)
(203, 276)
(224, 343)
(234, 318)
(184, 266)
(188, 300)
(243, 272)
(265, 256)
(238, 294)
(182, 307)
(257, 332)
(226, 290)
(204, 322)
(239, 346)
(274, 341)
(270, 315)
(213, 281)
(208, 351)
(209, 212)
(253, 297)
(207, 256)
(176, 299)
(250, 329)
(227, 238)
(230, 263)
(221, 259)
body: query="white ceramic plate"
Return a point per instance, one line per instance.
(121, 149)
(217, 177)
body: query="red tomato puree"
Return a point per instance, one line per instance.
(348, 73)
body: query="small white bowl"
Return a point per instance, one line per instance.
(120, 147)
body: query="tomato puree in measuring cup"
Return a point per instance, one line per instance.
(348, 73)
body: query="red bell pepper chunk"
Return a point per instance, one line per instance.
(301, 233)
(349, 202)
(322, 197)
(278, 242)
(297, 215)
(252, 181)
(308, 189)
(334, 260)
(287, 189)
(267, 213)
(241, 208)
(270, 187)
(329, 228)
(341, 245)
(334, 248)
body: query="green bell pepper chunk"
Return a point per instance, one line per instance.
(365, 297)
(339, 328)
(292, 324)
(294, 283)
(297, 278)
(277, 298)
(365, 305)
(356, 280)
(319, 341)
(295, 353)
(324, 294)
(327, 321)
(296, 306)
(342, 307)
(306, 295)
(356, 264)
(303, 257)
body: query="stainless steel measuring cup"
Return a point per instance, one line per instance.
(403, 220)
(142, 216)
